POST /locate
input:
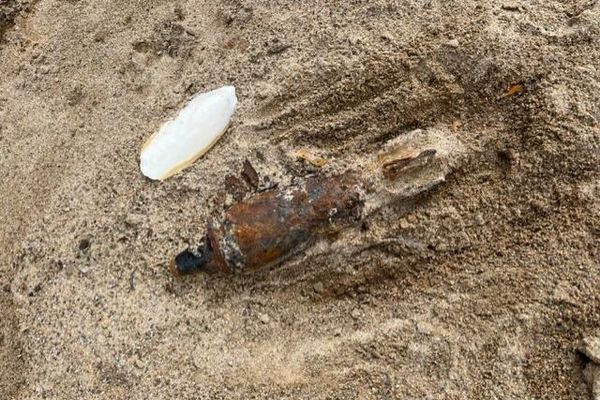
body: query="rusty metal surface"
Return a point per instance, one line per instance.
(235, 187)
(270, 226)
(250, 175)
(400, 161)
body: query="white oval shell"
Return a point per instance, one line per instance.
(182, 140)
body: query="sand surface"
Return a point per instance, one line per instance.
(481, 288)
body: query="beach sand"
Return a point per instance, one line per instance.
(481, 288)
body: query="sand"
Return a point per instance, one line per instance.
(481, 288)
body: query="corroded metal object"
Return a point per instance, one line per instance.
(268, 227)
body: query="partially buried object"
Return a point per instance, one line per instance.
(181, 141)
(270, 226)
(267, 227)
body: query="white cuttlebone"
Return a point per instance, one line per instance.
(182, 140)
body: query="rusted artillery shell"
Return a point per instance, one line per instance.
(268, 227)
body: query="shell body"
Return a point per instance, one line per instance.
(268, 227)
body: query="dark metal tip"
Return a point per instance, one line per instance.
(189, 262)
(185, 263)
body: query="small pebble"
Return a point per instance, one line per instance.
(356, 314)
(453, 43)
(318, 287)
(84, 244)
(511, 6)
(479, 220)
(278, 48)
(44, 69)
(134, 219)
(404, 224)
(264, 318)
